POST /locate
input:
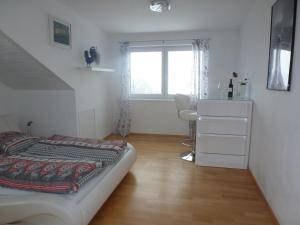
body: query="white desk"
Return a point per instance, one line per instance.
(223, 133)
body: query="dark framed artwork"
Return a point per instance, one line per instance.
(60, 33)
(282, 44)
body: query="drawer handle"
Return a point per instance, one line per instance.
(200, 135)
(223, 118)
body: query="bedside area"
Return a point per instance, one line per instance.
(223, 133)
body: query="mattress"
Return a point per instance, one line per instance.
(78, 208)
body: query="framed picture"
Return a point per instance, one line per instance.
(60, 33)
(282, 44)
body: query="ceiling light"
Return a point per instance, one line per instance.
(160, 5)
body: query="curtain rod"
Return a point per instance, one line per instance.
(208, 39)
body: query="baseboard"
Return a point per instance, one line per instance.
(161, 135)
(263, 196)
(150, 134)
(146, 135)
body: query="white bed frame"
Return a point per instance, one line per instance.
(54, 209)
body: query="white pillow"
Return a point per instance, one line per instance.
(8, 123)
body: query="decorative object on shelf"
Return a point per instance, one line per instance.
(241, 88)
(282, 44)
(60, 33)
(91, 56)
(160, 5)
(235, 74)
(97, 57)
(236, 84)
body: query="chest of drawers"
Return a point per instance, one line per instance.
(223, 133)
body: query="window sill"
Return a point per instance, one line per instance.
(152, 99)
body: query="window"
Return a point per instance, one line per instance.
(160, 72)
(180, 65)
(146, 72)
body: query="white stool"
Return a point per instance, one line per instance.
(183, 104)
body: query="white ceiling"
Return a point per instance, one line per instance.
(19, 70)
(134, 16)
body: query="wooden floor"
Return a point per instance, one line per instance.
(162, 189)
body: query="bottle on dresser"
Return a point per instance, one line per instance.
(245, 88)
(230, 89)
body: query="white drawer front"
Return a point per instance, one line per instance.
(222, 144)
(223, 108)
(215, 160)
(222, 125)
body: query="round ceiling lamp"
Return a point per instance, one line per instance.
(160, 5)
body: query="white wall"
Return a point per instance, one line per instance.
(160, 116)
(156, 117)
(275, 152)
(53, 112)
(7, 100)
(26, 22)
(94, 93)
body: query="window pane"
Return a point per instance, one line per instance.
(180, 67)
(146, 72)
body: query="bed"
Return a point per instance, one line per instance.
(63, 209)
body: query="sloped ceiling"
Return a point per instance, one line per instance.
(20, 70)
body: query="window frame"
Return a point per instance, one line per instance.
(165, 75)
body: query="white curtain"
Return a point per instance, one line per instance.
(199, 75)
(123, 122)
(200, 70)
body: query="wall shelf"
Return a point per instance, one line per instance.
(97, 69)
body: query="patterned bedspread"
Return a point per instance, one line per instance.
(52, 176)
(58, 164)
(116, 144)
(50, 149)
